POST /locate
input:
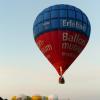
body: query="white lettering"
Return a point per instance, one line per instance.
(75, 38)
(74, 24)
(72, 47)
(65, 35)
(40, 43)
(47, 48)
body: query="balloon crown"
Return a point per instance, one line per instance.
(61, 17)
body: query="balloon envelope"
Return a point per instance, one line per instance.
(53, 97)
(36, 97)
(44, 98)
(13, 98)
(61, 33)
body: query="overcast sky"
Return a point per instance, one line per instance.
(24, 69)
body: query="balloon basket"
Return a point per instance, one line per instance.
(61, 80)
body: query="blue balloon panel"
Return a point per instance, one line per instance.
(61, 17)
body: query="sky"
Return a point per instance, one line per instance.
(24, 69)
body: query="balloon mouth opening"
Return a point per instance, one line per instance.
(61, 80)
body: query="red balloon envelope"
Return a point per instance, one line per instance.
(61, 32)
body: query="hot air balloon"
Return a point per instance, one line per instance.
(44, 98)
(53, 97)
(1, 98)
(36, 97)
(61, 33)
(22, 97)
(29, 98)
(13, 98)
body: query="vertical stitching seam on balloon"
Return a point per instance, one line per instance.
(53, 40)
(51, 36)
